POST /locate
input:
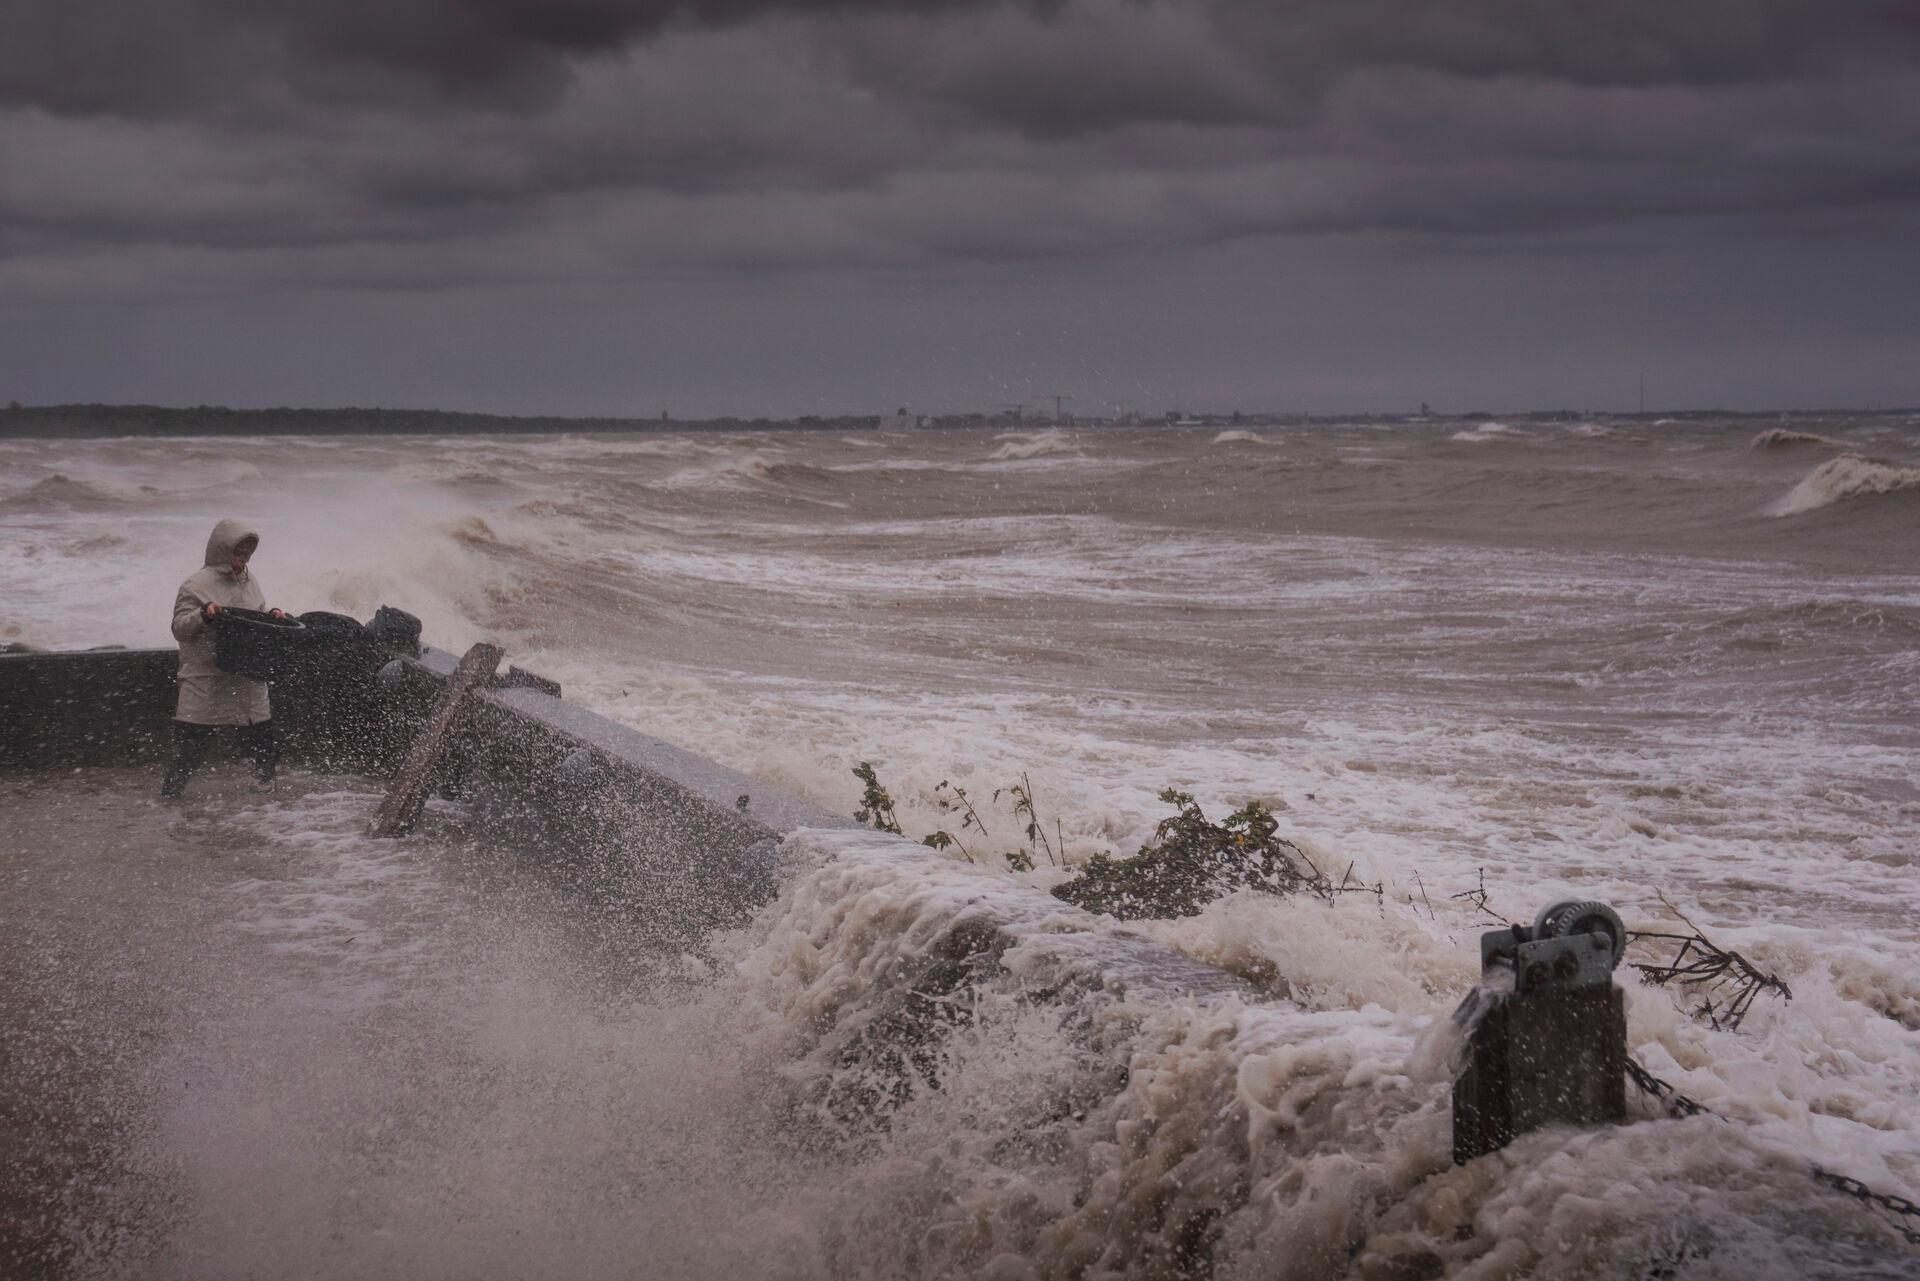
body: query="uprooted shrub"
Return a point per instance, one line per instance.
(1191, 861)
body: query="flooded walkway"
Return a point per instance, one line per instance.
(103, 894)
(242, 1039)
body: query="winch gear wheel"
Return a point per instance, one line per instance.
(1582, 916)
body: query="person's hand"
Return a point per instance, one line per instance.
(210, 611)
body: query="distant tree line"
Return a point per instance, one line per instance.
(218, 420)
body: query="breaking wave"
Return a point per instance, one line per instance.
(58, 491)
(474, 532)
(736, 470)
(1486, 432)
(1159, 1123)
(1786, 438)
(1242, 438)
(1021, 445)
(1848, 476)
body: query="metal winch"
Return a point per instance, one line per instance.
(1572, 946)
(1546, 1029)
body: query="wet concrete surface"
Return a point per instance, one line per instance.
(107, 901)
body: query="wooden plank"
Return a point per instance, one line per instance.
(408, 795)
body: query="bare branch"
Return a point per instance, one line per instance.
(1725, 981)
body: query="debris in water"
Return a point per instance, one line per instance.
(1727, 981)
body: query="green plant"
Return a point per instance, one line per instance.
(953, 799)
(1192, 860)
(969, 818)
(876, 806)
(1022, 793)
(946, 841)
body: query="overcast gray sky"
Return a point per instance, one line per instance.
(726, 206)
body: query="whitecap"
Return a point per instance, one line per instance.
(1485, 432)
(1023, 445)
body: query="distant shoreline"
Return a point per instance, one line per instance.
(85, 421)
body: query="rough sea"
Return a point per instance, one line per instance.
(1673, 666)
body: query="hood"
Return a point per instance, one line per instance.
(220, 543)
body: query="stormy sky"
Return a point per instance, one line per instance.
(736, 207)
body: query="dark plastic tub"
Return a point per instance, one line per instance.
(328, 629)
(248, 642)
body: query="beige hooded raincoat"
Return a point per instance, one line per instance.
(209, 696)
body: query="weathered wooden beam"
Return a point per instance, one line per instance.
(408, 795)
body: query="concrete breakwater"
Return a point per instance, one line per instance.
(696, 844)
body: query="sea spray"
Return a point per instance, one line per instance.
(1055, 1127)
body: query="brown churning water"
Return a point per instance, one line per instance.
(1614, 659)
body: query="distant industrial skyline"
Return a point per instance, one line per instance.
(614, 207)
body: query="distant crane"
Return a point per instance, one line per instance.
(1056, 397)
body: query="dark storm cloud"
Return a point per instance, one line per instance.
(428, 143)
(156, 57)
(1101, 66)
(650, 131)
(1620, 42)
(1489, 158)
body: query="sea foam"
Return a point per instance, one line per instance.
(1083, 1128)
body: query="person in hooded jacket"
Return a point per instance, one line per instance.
(208, 696)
